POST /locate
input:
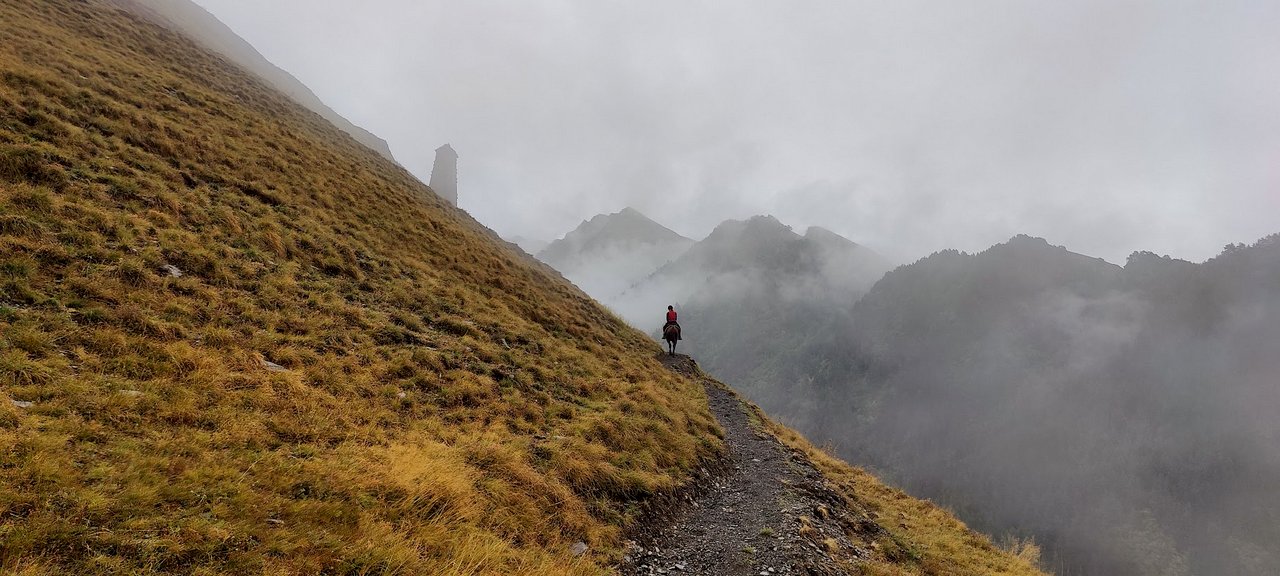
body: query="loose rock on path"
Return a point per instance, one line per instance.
(768, 511)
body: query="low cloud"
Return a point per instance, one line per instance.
(908, 126)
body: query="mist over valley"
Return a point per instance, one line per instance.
(1121, 416)
(979, 289)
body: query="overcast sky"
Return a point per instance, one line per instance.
(1107, 126)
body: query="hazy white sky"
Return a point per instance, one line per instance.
(1107, 126)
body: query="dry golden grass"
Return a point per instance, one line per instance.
(446, 405)
(922, 538)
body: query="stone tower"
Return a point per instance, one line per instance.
(444, 174)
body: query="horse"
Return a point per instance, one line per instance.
(671, 333)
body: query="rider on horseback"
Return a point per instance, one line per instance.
(671, 321)
(671, 330)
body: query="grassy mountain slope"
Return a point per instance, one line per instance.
(443, 403)
(348, 375)
(198, 24)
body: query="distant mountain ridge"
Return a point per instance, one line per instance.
(758, 257)
(1118, 415)
(604, 231)
(764, 244)
(754, 295)
(751, 295)
(207, 30)
(610, 252)
(636, 265)
(1112, 413)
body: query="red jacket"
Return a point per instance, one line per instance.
(671, 315)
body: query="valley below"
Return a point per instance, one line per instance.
(1118, 416)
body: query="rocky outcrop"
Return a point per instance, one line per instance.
(444, 174)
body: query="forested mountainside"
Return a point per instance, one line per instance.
(1121, 416)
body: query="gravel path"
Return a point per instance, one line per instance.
(767, 512)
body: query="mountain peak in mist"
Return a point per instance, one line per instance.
(765, 243)
(608, 253)
(604, 231)
(1022, 265)
(763, 257)
(758, 225)
(1027, 244)
(1028, 249)
(818, 232)
(829, 240)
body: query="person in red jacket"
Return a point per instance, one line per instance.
(671, 330)
(671, 320)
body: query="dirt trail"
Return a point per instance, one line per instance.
(767, 511)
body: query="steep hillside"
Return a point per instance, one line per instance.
(198, 24)
(529, 245)
(348, 375)
(610, 252)
(234, 340)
